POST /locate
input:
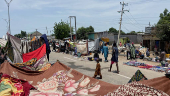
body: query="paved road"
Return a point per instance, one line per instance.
(88, 68)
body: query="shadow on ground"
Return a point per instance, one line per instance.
(82, 67)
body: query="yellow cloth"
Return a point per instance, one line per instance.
(47, 66)
(9, 88)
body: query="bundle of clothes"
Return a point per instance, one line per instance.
(146, 66)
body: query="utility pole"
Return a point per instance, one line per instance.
(36, 33)
(123, 4)
(70, 28)
(8, 15)
(47, 30)
(70, 25)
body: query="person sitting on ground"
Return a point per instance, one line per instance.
(98, 70)
(114, 58)
(162, 58)
(96, 55)
(136, 53)
(147, 53)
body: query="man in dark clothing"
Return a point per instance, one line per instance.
(54, 46)
(128, 49)
(114, 58)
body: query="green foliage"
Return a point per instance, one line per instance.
(18, 35)
(132, 32)
(113, 30)
(90, 29)
(82, 33)
(61, 30)
(163, 26)
(122, 33)
(23, 34)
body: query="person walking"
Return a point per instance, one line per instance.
(128, 50)
(114, 58)
(105, 51)
(54, 46)
(132, 51)
(98, 70)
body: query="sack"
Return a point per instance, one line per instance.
(90, 58)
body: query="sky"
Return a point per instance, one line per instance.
(29, 15)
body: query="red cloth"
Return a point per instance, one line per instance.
(40, 52)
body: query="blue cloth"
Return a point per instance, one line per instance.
(47, 44)
(115, 54)
(75, 50)
(136, 51)
(105, 51)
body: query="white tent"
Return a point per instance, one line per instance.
(3, 42)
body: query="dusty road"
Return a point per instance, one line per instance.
(88, 68)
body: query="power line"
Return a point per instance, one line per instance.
(133, 18)
(125, 28)
(133, 22)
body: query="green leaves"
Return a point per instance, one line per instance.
(82, 33)
(61, 30)
(163, 26)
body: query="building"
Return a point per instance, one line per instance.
(135, 38)
(32, 34)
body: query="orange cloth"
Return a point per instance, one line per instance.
(33, 39)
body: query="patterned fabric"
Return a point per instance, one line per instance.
(41, 63)
(61, 84)
(16, 44)
(28, 63)
(47, 66)
(10, 51)
(136, 89)
(137, 77)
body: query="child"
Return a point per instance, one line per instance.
(97, 71)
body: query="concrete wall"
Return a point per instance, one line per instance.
(137, 38)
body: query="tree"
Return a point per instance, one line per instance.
(82, 33)
(90, 29)
(23, 34)
(132, 32)
(122, 32)
(113, 30)
(18, 35)
(61, 30)
(163, 26)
